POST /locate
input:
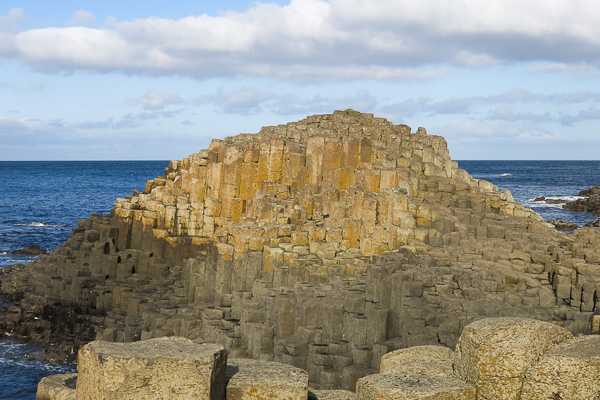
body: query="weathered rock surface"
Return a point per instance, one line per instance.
(569, 371)
(395, 386)
(332, 395)
(495, 354)
(163, 368)
(57, 387)
(429, 360)
(322, 244)
(257, 379)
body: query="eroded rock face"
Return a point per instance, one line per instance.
(322, 244)
(495, 354)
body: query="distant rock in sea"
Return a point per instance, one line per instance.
(30, 251)
(590, 203)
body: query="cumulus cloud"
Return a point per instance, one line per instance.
(28, 130)
(243, 101)
(11, 22)
(482, 131)
(250, 101)
(506, 113)
(127, 121)
(591, 113)
(82, 18)
(154, 100)
(515, 97)
(314, 40)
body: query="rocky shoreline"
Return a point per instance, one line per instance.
(62, 331)
(323, 244)
(589, 203)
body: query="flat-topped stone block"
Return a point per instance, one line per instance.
(332, 395)
(419, 360)
(494, 354)
(57, 387)
(393, 386)
(163, 368)
(568, 371)
(256, 379)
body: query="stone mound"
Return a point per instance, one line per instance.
(322, 244)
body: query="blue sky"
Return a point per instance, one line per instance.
(511, 79)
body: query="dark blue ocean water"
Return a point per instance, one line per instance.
(39, 204)
(41, 201)
(528, 180)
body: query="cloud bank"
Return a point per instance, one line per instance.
(315, 40)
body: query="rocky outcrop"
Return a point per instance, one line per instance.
(29, 251)
(593, 224)
(563, 225)
(322, 244)
(590, 201)
(496, 359)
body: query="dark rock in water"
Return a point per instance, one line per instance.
(30, 251)
(591, 203)
(549, 201)
(590, 192)
(593, 224)
(563, 225)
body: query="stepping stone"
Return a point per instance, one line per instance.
(163, 368)
(257, 379)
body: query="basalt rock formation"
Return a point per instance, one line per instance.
(323, 244)
(590, 201)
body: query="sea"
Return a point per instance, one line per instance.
(41, 201)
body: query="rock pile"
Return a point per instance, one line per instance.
(496, 359)
(322, 244)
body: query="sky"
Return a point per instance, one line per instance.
(499, 80)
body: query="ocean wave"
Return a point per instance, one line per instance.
(532, 203)
(40, 225)
(488, 176)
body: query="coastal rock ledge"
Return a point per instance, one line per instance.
(323, 244)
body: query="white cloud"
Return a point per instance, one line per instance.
(10, 23)
(82, 18)
(154, 100)
(250, 101)
(243, 101)
(506, 113)
(316, 40)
